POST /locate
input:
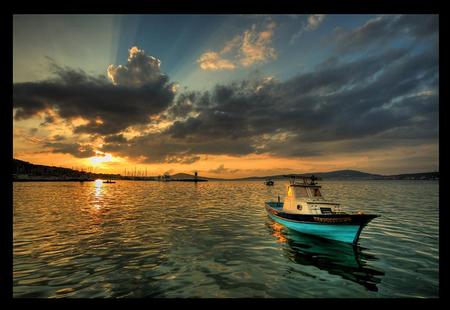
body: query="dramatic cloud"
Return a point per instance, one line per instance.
(256, 46)
(380, 30)
(252, 47)
(139, 91)
(75, 149)
(162, 147)
(141, 69)
(385, 100)
(313, 21)
(212, 61)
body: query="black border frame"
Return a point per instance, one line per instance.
(207, 7)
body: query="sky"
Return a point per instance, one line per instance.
(227, 95)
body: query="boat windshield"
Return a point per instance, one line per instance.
(300, 191)
(316, 192)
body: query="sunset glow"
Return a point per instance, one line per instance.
(271, 95)
(97, 160)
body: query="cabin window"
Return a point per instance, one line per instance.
(326, 210)
(299, 207)
(316, 192)
(301, 192)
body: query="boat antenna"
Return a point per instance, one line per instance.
(291, 177)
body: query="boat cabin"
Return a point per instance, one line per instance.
(306, 198)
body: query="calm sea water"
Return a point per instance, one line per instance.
(214, 239)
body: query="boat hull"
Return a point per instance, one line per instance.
(340, 227)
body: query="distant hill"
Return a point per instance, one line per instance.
(414, 176)
(346, 174)
(353, 175)
(181, 176)
(339, 174)
(24, 171)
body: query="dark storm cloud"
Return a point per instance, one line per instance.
(344, 100)
(386, 100)
(115, 139)
(109, 108)
(75, 149)
(372, 106)
(418, 25)
(48, 119)
(161, 147)
(184, 104)
(382, 29)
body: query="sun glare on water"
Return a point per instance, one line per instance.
(98, 184)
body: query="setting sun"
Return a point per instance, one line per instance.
(97, 160)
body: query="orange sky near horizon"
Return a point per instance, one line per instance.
(223, 166)
(27, 146)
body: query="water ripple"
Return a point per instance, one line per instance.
(150, 239)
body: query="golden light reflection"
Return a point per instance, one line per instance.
(278, 233)
(97, 207)
(98, 188)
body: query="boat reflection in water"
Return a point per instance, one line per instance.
(337, 258)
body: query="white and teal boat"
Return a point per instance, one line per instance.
(305, 210)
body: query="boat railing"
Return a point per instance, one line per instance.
(323, 203)
(305, 180)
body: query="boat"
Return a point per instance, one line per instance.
(269, 182)
(108, 181)
(305, 210)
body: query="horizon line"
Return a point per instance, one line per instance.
(237, 178)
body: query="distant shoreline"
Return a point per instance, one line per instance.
(28, 172)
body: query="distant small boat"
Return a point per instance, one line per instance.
(269, 182)
(305, 210)
(108, 181)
